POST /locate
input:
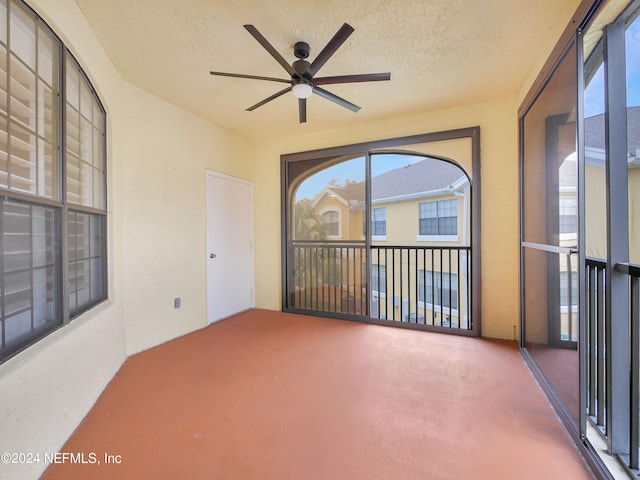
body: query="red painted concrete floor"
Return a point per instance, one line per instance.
(266, 395)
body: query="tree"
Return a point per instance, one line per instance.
(307, 223)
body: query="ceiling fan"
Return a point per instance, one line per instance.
(303, 82)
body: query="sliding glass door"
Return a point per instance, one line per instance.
(580, 240)
(549, 266)
(384, 235)
(327, 248)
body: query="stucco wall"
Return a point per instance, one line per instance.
(46, 390)
(497, 121)
(157, 156)
(168, 151)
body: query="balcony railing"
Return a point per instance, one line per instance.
(411, 284)
(328, 277)
(596, 353)
(633, 271)
(596, 366)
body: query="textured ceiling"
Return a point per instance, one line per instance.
(440, 53)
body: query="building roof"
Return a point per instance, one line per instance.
(594, 131)
(425, 176)
(353, 192)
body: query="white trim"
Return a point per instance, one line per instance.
(229, 178)
(565, 309)
(412, 196)
(378, 238)
(595, 157)
(438, 309)
(330, 193)
(436, 238)
(461, 184)
(568, 236)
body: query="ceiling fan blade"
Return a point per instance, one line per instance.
(367, 77)
(302, 109)
(251, 77)
(269, 48)
(268, 99)
(336, 99)
(331, 47)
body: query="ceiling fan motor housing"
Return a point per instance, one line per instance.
(301, 50)
(301, 67)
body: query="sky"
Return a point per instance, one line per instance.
(353, 170)
(594, 93)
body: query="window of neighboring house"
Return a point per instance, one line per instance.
(568, 215)
(439, 218)
(437, 288)
(379, 278)
(331, 222)
(379, 222)
(568, 296)
(52, 228)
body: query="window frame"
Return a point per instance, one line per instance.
(438, 205)
(427, 290)
(58, 201)
(378, 282)
(337, 223)
(382, 212)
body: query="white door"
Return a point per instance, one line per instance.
(229, 254)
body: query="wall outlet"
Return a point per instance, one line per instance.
(176, 302)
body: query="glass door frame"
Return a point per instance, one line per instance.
(301, 161)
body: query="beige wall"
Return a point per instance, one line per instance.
(403, 221)
(167, 153)
(497, 121)
(46, 390)
(157, 156)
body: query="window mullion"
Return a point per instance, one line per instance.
(617, 292)
(62, 181)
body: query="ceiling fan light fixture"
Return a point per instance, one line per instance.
(302, 90)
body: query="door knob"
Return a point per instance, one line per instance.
(212, 255)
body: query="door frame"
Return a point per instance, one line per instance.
(229, 178)
(298, 162)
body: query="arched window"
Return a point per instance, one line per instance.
(52, 183)
(331, 222)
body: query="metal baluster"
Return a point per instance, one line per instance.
(441, 292)
(424, 284)
(450, 291)
(635, 364)
(460, 316)
(592, 331)
(600, 351)
(468, 281)
(393, 280)
(433, 292)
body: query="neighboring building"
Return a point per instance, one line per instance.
(424, 206)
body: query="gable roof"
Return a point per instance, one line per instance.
(353, 192)
(427, 175)
(423, 177)
(594, 130)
